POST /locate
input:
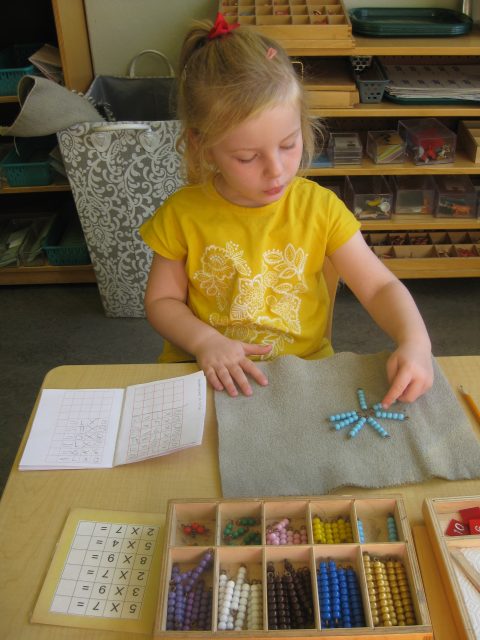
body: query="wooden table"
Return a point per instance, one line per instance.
(35, 504)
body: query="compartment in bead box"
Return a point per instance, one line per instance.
(379, 521)
(289, 577)
(457, 552)
(286, 522)
(190, 588)
(238, 574)
(415, 251)
(459, 237)
(332, 522)
(392, 585)
(384, 252)
(380, 239)
(240, 524)
(223, 576)
(194, 524)
(342, 572)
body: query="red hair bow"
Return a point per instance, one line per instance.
(221, 27)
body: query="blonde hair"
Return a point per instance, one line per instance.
(226, 80)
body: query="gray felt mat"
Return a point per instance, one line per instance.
(279, 441)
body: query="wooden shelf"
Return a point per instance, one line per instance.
(47, 274)
(467, 45)
(60, 183)
(72, 35)
(462, 165)
(415, 268)
(391, 110)
(425, 223)
(8, 99)
(70, 26)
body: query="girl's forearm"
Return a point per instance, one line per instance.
(395, 311)
(175, 322)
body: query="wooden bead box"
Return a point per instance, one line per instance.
(444, 252)
(196, 529)
(294, 23)
(440, 515)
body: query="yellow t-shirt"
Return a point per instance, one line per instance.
(255, 273)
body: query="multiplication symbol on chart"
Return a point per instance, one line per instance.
(106, 570)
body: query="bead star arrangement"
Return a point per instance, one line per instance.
(365, 415)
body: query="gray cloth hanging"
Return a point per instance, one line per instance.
(47, 107)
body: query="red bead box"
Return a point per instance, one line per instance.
(438, 513)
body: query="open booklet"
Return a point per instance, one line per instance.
(100, 428)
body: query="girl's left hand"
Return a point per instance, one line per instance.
(410, 373)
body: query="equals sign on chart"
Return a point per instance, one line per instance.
(99, 542)
(80, 604)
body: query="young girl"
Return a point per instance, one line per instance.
(239, 252)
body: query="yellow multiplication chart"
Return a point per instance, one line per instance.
(104, 573)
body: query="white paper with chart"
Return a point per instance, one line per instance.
(99, 428)
(104, 572)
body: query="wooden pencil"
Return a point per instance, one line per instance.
(471, 403)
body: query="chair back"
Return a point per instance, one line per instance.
(331, 279)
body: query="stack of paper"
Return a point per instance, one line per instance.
(433, 82)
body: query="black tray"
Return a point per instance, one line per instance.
(398, 22)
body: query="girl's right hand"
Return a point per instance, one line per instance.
(226, 364)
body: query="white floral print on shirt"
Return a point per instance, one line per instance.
(263, 308)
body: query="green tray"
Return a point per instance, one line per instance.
(398, 22)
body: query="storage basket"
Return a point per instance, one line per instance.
(13, 65)
(28, 164)
(371, 83)
(137, 162)
(360, 63)
(65, 244)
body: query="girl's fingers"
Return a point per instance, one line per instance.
(256, 373)
(232, 376)
(228, 377)
(228, 384)
(405, 388)
(256, 349)
(399, 384)
(414, 390)
(213, 379)
(241, 380)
